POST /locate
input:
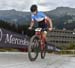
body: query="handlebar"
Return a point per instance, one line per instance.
(41, 29)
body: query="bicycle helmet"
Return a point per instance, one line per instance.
(33, 8)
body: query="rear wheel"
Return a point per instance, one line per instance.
(43, 51)
(33, 48)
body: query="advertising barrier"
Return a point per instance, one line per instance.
(10, 39)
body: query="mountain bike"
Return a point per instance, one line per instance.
(37, 45)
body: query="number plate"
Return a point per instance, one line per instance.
(38, 29)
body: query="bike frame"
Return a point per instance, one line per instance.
(39, 34)
(42, 39)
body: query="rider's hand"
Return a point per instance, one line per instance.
(50, 29)
(30, 28)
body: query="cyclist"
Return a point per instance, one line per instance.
(42, 20)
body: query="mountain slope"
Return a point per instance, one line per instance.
(60, 15)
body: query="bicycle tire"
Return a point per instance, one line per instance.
(35, 37)
(43, 52)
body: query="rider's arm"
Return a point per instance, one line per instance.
(49, 21)
(32, 24)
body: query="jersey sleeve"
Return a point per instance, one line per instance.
(43, 15)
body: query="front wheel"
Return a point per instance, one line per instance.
(33, 48)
